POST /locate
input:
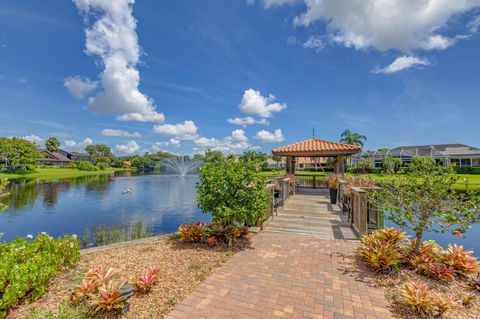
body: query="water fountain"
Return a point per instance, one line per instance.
(182, 165)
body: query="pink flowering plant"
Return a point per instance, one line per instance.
(233, 192)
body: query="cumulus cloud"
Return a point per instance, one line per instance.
(264, 106)
(72, 145)
(236, 143)
(181, 131)
(128, 148)
(403, 63)
(112, 37)
(79, 86)
(268, 137)
(314, 42)
(239, 135)
(384, 25)
(159, 146)
(245, 121)
(34, 139)
(119, 133)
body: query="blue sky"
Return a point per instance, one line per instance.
(182, 76)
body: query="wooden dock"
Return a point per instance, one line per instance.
(310, 213)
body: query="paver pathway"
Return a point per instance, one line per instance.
(285, 276)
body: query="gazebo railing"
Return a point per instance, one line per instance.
(311, 181)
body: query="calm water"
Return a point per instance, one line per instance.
(162, 202)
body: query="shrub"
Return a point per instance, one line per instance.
(382, 250)
(26, 267)
(212, 241)
(109, 298)
(191, 232)
(84, 166)
(82, 291)
(145, 282)
(102, 166)
(460, 260)
(440, 272)
(418, 296)
(233, 191)
(428, 253)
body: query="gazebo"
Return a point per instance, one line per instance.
(315, 147)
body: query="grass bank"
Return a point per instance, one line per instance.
(57, 173)
(473, 179)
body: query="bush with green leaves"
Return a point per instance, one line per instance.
(26, 267)
(233, 191)
(365, 166)
(84, 166)
(17, 154)
(391, 164)
(422, 199)
(3, 192)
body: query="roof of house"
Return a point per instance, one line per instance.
(436, 150)
(55, 156)
(316, 147)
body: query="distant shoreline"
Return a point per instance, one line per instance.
(45, 174)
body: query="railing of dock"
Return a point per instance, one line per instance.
(365, 217)
(282, 188)
(311, 181)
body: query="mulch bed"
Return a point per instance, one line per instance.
(456, 290)
(184, 266)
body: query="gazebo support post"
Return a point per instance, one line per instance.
(290, 165)
(339, 165)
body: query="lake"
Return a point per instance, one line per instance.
(161, 202)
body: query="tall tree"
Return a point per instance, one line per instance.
(52, 144)
(17, 153)
(349, 137)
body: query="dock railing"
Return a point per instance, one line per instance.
(282, 188)
(365, 217)
(311, 181)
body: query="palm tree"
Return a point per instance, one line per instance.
(348, 137)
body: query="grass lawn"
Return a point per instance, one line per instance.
(473, 179)
(57, 173)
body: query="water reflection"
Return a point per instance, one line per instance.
(73, 205)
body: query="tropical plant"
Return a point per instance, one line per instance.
(84, 289)
(212, 241)
(441, 272)
(101, 275)
(421, 199)
(461, 260)
(418, 296)
(349, 137)
(429, 253)
(333, 181)
(17, 153)
(146, 281)
(26, 267)
(52, 144)
(234, 192)
(391, 164)
(191, 232)
(474, 282)
(364, 166)
(108, 298)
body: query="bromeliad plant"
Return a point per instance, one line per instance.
(191, 232)
(108, 298)
(145, 282)
(424, 301)
(460, 260)
(26, 267)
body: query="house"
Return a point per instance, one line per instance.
(61, 158)
(48, 158)
(460, 154)
(311, 163)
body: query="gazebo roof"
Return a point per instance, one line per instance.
(315, 147)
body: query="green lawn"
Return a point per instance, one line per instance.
(473, 179)
(57, 173)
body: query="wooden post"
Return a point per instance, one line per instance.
(339, 164)
(290, 165)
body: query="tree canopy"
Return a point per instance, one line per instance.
(17, 153)
(52, 144)
(349, 137)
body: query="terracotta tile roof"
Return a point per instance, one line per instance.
(315, 145)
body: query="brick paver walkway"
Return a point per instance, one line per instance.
(285, 276)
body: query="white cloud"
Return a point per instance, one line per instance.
(314, 42)
(159, 146)
(239, 135)
(129, 148)
(236, 143)
(254, 103)
(34, 139)
(79, 86)
(272, 3)
(119, 133)
(403, 63)
(245, 121)
(113, 38)
(181, 131)
(384, 25)
(72, 145)
(267, 137)
(292, 40)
